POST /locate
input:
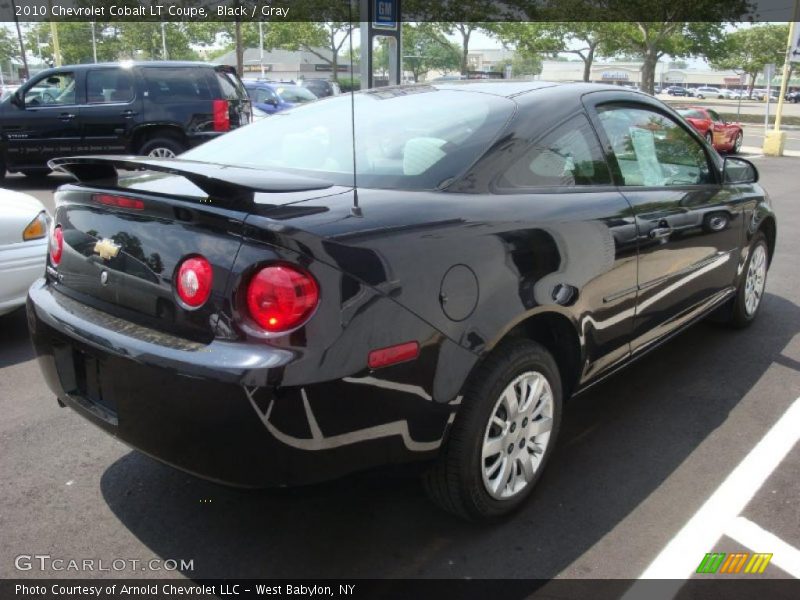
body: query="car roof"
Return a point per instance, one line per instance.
(139, 63)
(510, 88)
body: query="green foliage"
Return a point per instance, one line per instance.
(426, 49)
(522, 65)
(349, 84)
(9, 47)
(750, 49)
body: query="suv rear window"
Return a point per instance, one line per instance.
(231, 87)
(175, 84)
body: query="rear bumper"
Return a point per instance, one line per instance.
(218, 410)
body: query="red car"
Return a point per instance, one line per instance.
(724, 136)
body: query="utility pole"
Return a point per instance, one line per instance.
(94, 43)
(21, 43)
(775, 140)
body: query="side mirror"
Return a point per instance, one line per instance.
(739, 170)
(17, 100)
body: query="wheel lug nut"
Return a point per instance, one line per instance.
(521, 444)
(510, 448)
(513, 427)
(525, 422)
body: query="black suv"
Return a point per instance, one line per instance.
(322, 88)
(151, 108)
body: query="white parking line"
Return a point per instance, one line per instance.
(755, 538)
(679, 559)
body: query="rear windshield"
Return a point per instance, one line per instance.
(408, 138)
(294, 93)
(175, 84)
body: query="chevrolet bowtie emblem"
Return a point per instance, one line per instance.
(106, 248)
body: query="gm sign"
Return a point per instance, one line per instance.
(384, 14)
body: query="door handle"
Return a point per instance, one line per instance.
(66, 116)
(128, 113)
(660, 233)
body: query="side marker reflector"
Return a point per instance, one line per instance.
(383, 357)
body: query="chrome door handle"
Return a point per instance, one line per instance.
(128, 113)
(66, 116)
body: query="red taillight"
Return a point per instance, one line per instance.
(281, 297)
(56, 245)
(222, 117)
(118, 201)
(194, 280)
(384, 357)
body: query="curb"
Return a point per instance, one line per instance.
(760, 152)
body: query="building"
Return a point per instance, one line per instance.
(286, 65)
(622, 73)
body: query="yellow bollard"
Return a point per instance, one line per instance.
(774, 143)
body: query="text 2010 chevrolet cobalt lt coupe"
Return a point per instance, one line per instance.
(259, 311)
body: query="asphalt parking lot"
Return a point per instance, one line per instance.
(643, 459)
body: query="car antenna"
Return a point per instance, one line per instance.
(356, 209)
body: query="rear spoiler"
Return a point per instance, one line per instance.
(225, 185)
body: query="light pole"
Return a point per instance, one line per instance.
(775, 140)
(163, 40)
(94, 43)
(19, 37)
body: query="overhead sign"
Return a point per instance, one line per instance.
(794, 53)
(384, 15)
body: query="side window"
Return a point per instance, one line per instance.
(263, 96)
(570, 155)
(230, 86)
(108, 86)
(652, 150)
(55, 90)
(714, 116)
(170, 84)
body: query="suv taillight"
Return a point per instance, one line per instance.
(222, 117)
(281, 297)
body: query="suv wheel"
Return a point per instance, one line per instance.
(162, 147)
(503, 435)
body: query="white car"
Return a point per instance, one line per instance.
(24, 225)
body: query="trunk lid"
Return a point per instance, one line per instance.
(125, 236)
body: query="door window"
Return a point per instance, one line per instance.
(54, 90)
(109, 86)
(653, 150)
(714, 116)
(175, 84)
(568, 156)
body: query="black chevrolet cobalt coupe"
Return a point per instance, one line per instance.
(417, 273)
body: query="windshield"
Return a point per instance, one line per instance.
(691, 114)
(406, 138)
(294, 93)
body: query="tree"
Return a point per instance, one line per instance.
(522, 65)
(749, 50)
(311, 37)
(8, 46)
(585, 40)
(425, 49)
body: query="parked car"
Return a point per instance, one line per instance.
(708, 92)
(150, 108)
(321, 88)
(676, 90)
(441, 315)
(761, 95)
(23, 246)
(724, 136)
(275, 96)
(793, 96)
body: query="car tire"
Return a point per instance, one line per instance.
(737, 143)
(470, 478)
(35, 173)
(162, 147)
(742, 311)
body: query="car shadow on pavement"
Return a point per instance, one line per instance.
(619, 443)
(15, 343)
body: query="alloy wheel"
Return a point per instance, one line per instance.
(517, 435)
(756, 280)
(161, 152)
